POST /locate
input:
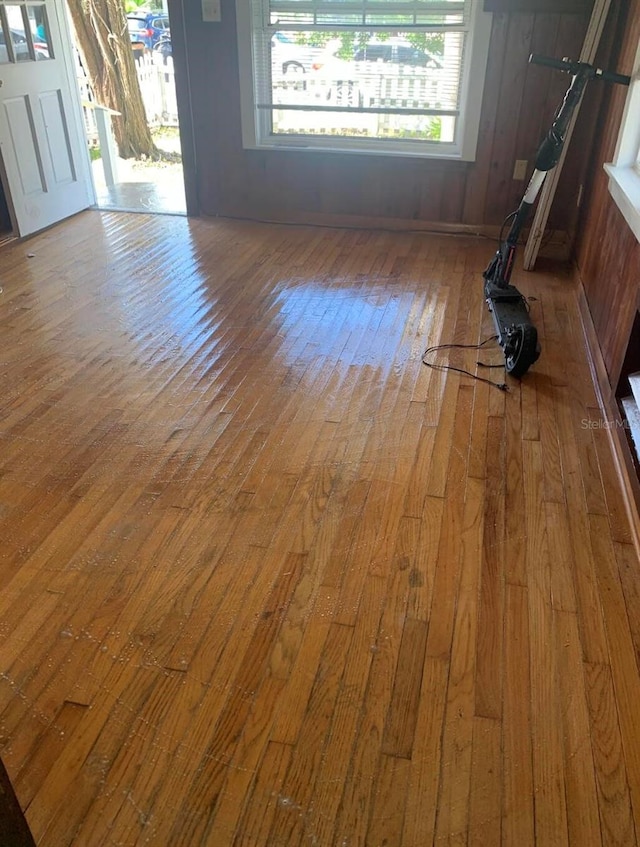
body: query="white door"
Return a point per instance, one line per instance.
(42, 144)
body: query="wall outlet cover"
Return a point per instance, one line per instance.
(211, 11)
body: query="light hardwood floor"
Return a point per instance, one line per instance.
(267, 580)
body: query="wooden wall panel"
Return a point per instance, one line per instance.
(298, 186)
(607, 254)
(510, 109)
(538, 5)
(480, 172)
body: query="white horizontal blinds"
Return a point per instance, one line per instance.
(389, 69)
(369, 13)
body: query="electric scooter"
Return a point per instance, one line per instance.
(517, 335)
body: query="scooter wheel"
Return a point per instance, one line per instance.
(522, 350)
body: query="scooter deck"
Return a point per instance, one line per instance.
(508, 306)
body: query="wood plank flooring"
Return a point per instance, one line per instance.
(267, 580)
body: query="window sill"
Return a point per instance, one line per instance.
(624, 187)
(368, 147)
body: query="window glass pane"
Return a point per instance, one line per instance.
(384, 127)
(4, 53)
(22, 50)
(39, 26)
(392, 86)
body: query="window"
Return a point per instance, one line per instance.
(624, 172)
(24, 33)
(370, 76)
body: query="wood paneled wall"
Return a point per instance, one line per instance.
(608, 255)
(518, 106)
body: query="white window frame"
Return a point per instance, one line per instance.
(624, 171)
(255, 136)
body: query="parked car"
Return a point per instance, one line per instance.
(397, 51)
(147, 28)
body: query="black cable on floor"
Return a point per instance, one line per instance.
(502, 386)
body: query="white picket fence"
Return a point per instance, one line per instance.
(157, 85)
(398, 88)
(407, 87)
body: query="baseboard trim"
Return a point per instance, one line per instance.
(617, 440)
(557, 245)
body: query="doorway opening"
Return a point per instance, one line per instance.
(149, 183)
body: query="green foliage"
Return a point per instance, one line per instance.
(431, 132)
(313, 39)
(434, 129)
(142, 5)
(430, 42)
(350, 41)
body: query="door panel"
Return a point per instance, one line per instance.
(41, 134)
(55, 125)
(19, 122)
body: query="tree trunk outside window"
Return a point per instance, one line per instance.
(103, 40)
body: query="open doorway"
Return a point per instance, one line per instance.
(131, 182)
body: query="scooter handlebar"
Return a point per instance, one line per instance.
(573, 67)
(609, 76)
(559, 64)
